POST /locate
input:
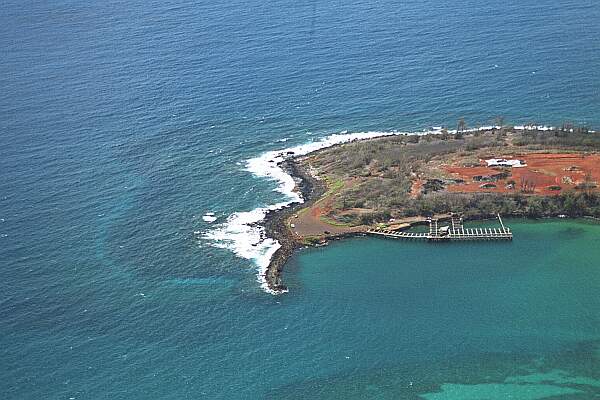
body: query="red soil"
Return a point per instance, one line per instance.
(416, 187)
(542, 171)
(310, 222)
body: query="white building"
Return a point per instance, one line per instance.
(503, 162)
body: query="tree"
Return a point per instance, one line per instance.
(499, 121)
(534, 207)
(588, 183)
(444, 134)
(462, 125)
(574, 204)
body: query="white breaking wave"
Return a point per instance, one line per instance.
(209, 217)
(243, 234)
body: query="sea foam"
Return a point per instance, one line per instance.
(242, 232)
(209, 217)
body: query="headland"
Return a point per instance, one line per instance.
(392, 183)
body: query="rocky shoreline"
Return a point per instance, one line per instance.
(311, 189)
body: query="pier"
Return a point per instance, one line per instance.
(454, 231)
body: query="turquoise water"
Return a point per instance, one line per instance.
(123, 123)
(473, 317)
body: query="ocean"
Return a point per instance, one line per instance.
(134, 146)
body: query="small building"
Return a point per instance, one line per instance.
(504, 162)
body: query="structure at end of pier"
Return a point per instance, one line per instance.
(454, 231)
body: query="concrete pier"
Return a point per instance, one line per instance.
(454, 231)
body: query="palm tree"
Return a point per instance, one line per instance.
(462, 125)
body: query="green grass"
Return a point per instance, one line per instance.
(311, 240)
(303, 211)
(333, 187)
(333, 222)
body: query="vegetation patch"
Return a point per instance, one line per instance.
(311, 240)
(370, 182)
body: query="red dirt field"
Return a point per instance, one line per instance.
(310, 223)
(541, 172)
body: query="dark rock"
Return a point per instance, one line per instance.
(310, 189)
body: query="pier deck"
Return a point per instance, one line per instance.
(456, 231)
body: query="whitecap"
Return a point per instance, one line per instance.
(209, 217)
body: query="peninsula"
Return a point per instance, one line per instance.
(394, 182)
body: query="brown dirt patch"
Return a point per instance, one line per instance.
(542, 171)
(310, 222)
(416, 187)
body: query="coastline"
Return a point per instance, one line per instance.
(311, 189)
(263, 234)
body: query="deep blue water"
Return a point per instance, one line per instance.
(122, 123)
